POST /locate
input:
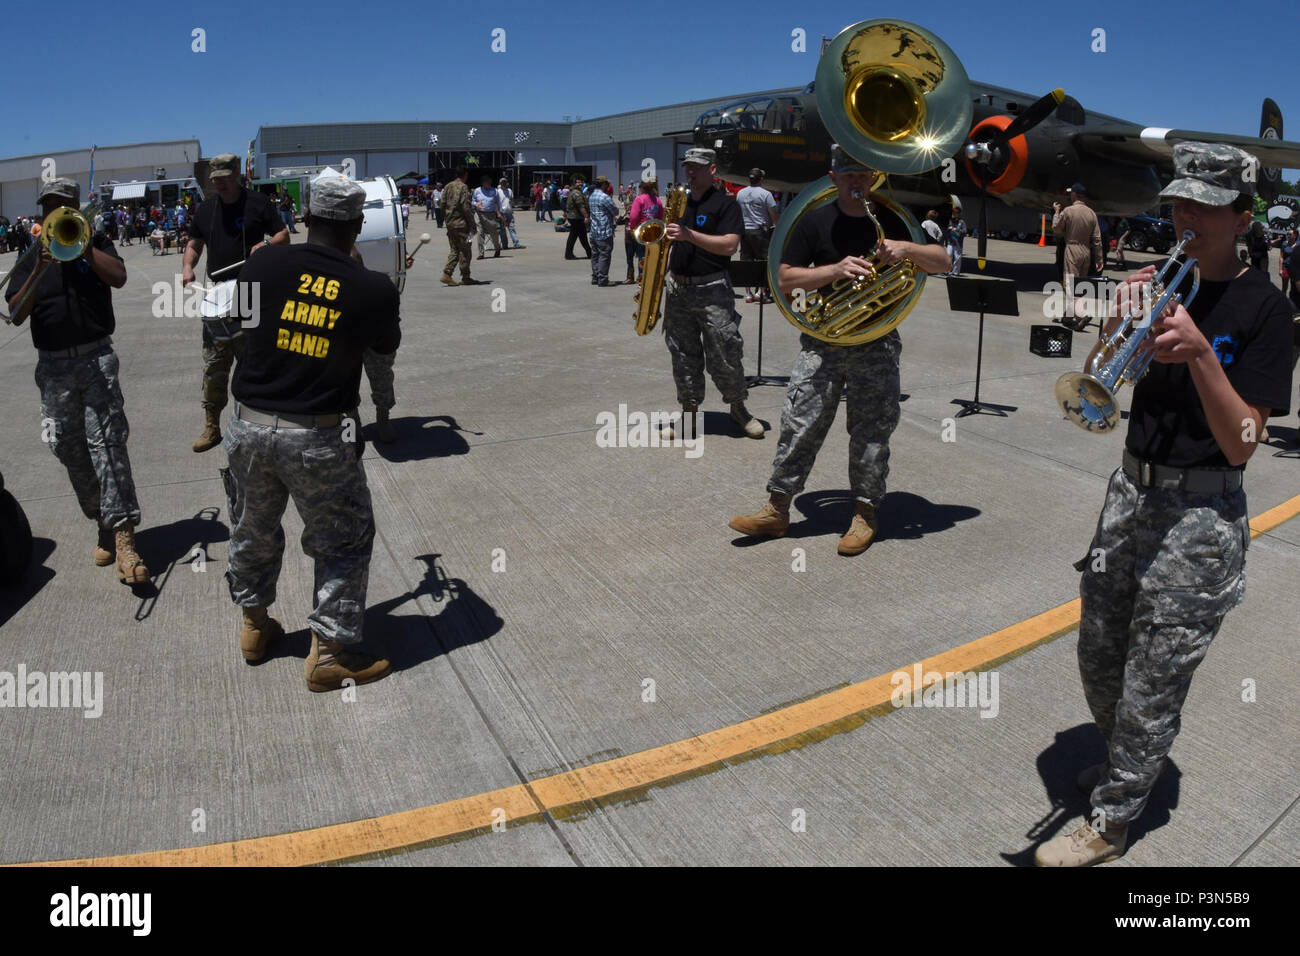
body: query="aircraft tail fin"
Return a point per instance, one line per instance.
(1270, 127)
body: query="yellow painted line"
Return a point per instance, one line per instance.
(575, 791)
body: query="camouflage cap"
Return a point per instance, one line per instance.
(1211, 173)
(701, 156)
(227, 164)
(842, 162)
(63, 189)
(334, 197)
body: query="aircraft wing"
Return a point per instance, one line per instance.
(1154, 145)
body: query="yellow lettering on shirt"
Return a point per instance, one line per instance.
(286, 314)
(300, 315)
(295, 343)
(308, 344)
(322, 346)
(334, 316)
(282, 338)
(317, 317)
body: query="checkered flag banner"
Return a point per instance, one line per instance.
(521, 137)
(433, 139)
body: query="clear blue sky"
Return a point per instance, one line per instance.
(125, 72)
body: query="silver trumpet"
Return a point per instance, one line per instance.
(1088, 397)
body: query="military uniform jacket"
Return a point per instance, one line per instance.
(456, 205)
(576, 207)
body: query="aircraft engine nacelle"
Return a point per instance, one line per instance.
(1012, 169)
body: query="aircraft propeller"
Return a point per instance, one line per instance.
(989, 152)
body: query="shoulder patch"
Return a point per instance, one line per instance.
(1225, 348)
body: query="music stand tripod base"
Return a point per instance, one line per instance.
(752, 273)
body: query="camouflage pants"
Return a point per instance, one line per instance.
(84, 421)
(821, 373)
(321, 473)
(702, 328)
(379, 372)
(489, 227)
(1171, 565)
(461, 253)
(218, 357)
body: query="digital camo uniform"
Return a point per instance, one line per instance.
(84, 414)
(701, 326)
(321, 472)
(379, 373)
(870, 373)
(1171, 565)
(458, 211)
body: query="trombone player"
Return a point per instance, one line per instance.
(1167, 561)
(827, 245)
(70, 304)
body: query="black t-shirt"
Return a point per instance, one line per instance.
(229, 231)
(318, 311)
(828, 234)
(714, 214)
(1247, 321)
(71, 305)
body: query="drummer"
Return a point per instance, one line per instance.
(234, 223)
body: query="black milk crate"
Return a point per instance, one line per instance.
(1050, 341)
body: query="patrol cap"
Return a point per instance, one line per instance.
(842, 162)
(703, 157)
(337, 198)
(62, 188)
(602, 181)
(1210, 173)
(1079, 189)
(227, 164)
(756, 173)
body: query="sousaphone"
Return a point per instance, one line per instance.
(897, 99)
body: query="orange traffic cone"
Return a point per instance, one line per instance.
(1042, 236)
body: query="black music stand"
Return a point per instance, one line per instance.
(752, 274)
(983, 295)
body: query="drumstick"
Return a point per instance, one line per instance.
(233, 265)
(410, 256)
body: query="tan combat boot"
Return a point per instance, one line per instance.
(1084, 847)
(211, 436)
(861, 532)
(105, 548)
(752, 426)
(330, 663)
(130, 569)
(386, 431)
(258, 630)
(689, 432)
(771, 521)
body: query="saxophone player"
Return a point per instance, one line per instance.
(701, 324)
(827, 245)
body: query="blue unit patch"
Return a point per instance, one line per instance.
(1225, 348)
(701, 220)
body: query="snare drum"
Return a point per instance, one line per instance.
(218, 310)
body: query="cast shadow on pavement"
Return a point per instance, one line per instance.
(1074, 750)
(164, 547)
(34, 577)
(460, 618)
(902, 515)
(418, 438)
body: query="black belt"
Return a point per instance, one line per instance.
(77, 350)
(697, 280)
(285, 419)
(1198, 481)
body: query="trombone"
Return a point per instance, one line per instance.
(1088, 398)
(66, 233)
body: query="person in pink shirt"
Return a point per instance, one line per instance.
(645, 206)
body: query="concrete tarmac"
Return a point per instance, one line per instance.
(553, 607)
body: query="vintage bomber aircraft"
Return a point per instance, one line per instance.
(1020, 150)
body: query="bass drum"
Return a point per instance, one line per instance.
(382, 242)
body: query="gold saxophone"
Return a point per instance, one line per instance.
(653, 235)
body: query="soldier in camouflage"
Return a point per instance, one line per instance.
(577, 216)
(459, 213)
(290, 436)
(83, 417)
(834, 239)
(701, 324)
(1167, 561)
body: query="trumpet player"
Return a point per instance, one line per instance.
(827, 245)
(1167, 561)
(83, 419)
